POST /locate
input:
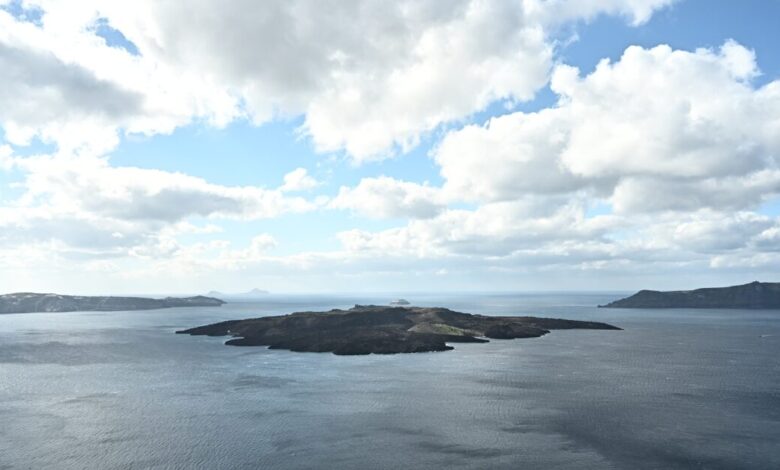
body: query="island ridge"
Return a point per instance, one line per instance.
(755, 295)
(382, 330)
(28, 302)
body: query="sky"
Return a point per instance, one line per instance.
(371, 146)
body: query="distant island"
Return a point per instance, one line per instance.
(249, 294)
(756, 295)
(382, 330)
(27, 302)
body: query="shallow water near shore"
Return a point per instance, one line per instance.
(675, 389)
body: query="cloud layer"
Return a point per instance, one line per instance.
(657, 130)
(678, 145)
(84, 206)
(656, 162)
(370, 77)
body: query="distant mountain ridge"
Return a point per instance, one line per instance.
(252, 293)
(755, 295)
(29, 302)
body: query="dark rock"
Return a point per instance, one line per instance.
(512, 331)
(367, 329)
(756, 295)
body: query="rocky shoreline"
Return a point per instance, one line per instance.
(382, 330)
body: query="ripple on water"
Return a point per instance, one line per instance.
(673, 390)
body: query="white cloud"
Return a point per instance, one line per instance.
(385, 197)
(658, 130)
(558, 11)
(5, 157)
(507, 237)
(510, 157)
(752, 261)
(681, 145)
(298, 180)
(88, 208)
(496, 229)
(256, 251)
(369, 76)
(707, 232)
(84, 92)
(91, 185)
(44, 96)
(768, 240)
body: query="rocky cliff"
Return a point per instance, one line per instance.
(756, 295)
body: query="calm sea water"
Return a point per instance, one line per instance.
(676, 389)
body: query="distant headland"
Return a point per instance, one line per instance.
(756, 295)
(368, 329)
(28, 302)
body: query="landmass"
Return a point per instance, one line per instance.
(756, 295)
(28, 302)
(368, 329)
(249, 294)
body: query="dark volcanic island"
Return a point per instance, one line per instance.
(382, 330)
(28, 302)
(756, 295)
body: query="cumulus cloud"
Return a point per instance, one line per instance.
(679, 145)
(660, 129)
(385, 197)
(369, 76)
(128, 193)
(298, 180)
(708, 232)
(88, 206)
(70, 91)
(506, 236)
(85, 92)
(496, 229)
(41, 95)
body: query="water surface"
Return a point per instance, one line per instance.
(675, 389)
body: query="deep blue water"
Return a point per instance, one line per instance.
(675, 389)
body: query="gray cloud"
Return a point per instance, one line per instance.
(37, 88)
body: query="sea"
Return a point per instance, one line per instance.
(119, 390)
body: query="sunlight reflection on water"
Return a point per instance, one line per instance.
(676, 389)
